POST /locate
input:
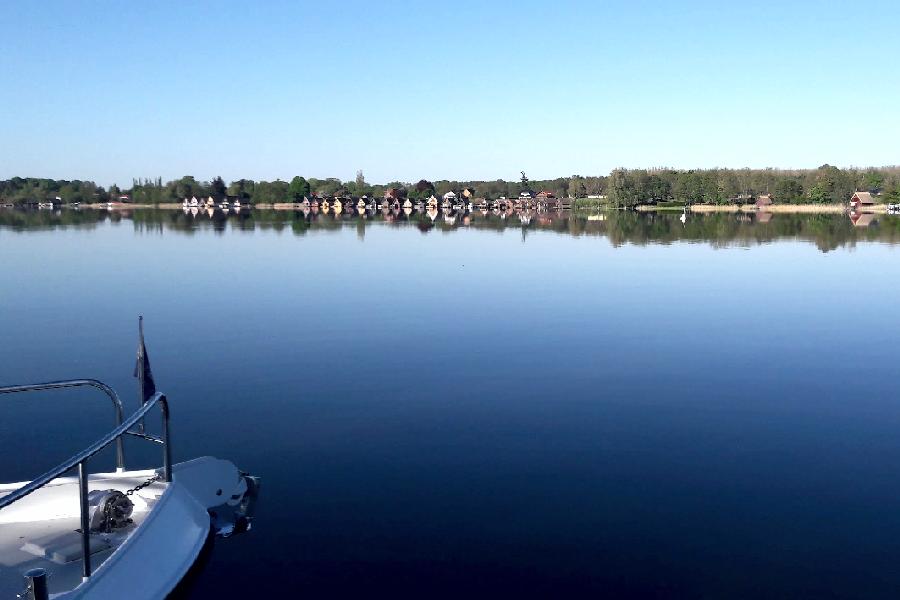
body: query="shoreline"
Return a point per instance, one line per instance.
(696, 208)
(772, 208)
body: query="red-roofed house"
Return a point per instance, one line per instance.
(861, 199)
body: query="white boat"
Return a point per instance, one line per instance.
(125, 534)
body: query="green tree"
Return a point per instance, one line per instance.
(298, 189)
(873, 178)
(235, 189)
(658, 189)
(892, 193)
(819, 194)
(188, 187)
(217, 186)
(788, 191)
(575, 187)
(623, 189)
(689, 188)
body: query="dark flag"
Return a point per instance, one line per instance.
(142, 367)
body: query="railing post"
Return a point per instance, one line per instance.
(120, 448)
(36, 584)
(167, 451)
(85, 523)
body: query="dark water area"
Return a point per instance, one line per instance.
(563, 405)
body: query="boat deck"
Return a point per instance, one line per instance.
(43, 529)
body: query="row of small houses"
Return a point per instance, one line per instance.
(395, 198)
(448, 200)
(212, 202)
(467, 195)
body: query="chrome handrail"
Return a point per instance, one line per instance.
(53, 385)
(81, 458)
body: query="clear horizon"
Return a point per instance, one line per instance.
(463, 92)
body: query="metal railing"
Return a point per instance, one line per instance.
(69, 383)
(80, 459)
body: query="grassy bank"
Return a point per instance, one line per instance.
(811, 209)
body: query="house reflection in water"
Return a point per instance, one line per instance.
(828, 231)
(861, 219)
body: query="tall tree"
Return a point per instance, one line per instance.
(787, 191)
(218, 186)
(298, 189)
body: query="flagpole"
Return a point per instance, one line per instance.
(140, 363)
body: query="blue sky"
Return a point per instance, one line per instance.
(451, 90)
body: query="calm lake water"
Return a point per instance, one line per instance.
(529, 406)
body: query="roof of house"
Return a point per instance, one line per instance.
(863, 197)
(764, 199)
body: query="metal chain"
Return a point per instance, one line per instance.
(141, 486)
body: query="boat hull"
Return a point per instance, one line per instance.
(172, 523)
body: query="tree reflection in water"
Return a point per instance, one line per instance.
(827, 231)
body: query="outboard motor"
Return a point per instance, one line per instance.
(108, 510)
(235, 514)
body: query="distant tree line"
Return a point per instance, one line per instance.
(621, 188)
(825, 185)
(31, 189)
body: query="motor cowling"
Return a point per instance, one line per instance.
(236, 513)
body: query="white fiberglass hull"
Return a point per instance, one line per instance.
(144, 560)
